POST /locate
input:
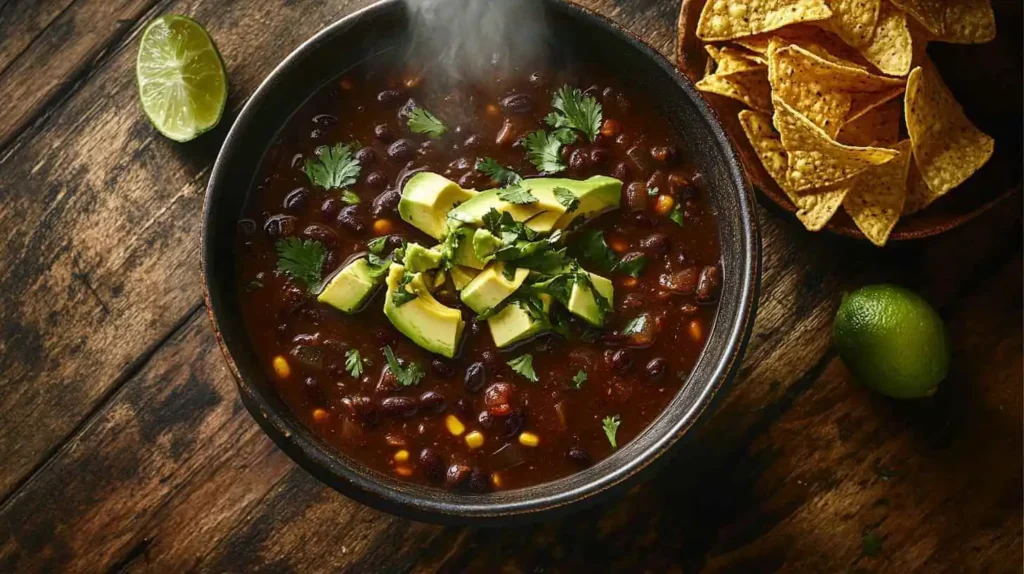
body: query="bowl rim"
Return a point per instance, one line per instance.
(439, 506)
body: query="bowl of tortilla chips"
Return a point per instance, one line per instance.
(877, 119)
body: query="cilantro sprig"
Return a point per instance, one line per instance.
(523, 365)
(578, 379)
(401, 296)
(575, 110)
(407, 376)
(544, 149)
(499, 173)
(354, 363)
(517, 195)
(676, 215)
(567, 198)
(302, 260)
(636, 325)
(592, 246)
(611, 428)
(335, 167)
(423, 122)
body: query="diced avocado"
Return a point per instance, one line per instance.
(351, 287)
(583, 304)
(540, 215)
(427, 322)
(461, 276)
(491, 287)
(463, 253)
(514, 323)
(419, 258)
(485, 244)
(597, 195)
(426, 200)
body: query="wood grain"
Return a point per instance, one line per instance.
(21, 21)
(125, 446)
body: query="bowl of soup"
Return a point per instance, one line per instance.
(465, 284)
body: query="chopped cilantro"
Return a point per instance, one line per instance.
(578, 379)
(499, 173)
(636, 325)
(676, 215)
(354, 363)
(407, 376)
(302, 260)
(348, 196)
(593, 247)
(523, 364)
(611, 426)
(423, 122)
(376, 246)
(334, 168)
(567, 198)
(401, 296)
(516, 195)
(632, 266)
(575, 110)
(652, 191)
(544, 151)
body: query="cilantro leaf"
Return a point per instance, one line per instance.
(407, 376)
(575, 110)
(652, 191)
(349, 197)
(544, 151)
(516, 195)
(676, 215)
(611, 427)
(593, 248)
(401, 296)
(423, 122)
(376, 246)
(523, 364)
(499, 173)
(636, 325)
(632, 266)
(335, 167)
(354, 363)
(567, 198)
(579, 379)
(302, 260)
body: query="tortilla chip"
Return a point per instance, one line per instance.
(918, 194)
(891, 48)
(748, 86)
(879, 127)
(948, 149)
(757, 44)
(816, 160)
(853, 20)
(930, 13)
(813, 210)
(727, 19)
(728, 59)
(968, 22)
(876, 197)
(861, 104)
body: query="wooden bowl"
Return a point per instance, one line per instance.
(986, 80)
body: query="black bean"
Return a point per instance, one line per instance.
(463, 407)
(579, 456)
(296, 199)
(457, 476)
(708, 283)
(394, 242)
(461, 164)
(442, 368)
(656, 244)
(428, 149)
(432, 402)
(330, 207)
(386, 203)
(387, 383)
(622, 361)
(376, 179)
(620, 171)
(663, 154)
(362, 409)
(644, 219)
(599, 156)
(579, 160)
(679, 185)
(351, 219)
(656, 367)
(402, 150)
(623, 140)
(384, 133)
(486, 419)
(321, 233)
(514, 423)
(479, 480)
(636, 196)
(403, 407)
(472, 142)
(537, 79)
(280, 226)
(657, 180)
(432, 465)
(517, 104)
(366, 156)
(641, 161)
(316, 134)
(389, 96)
(476, 377)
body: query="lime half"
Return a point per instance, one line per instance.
(182, 83)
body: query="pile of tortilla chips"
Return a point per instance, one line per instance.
(823, 81)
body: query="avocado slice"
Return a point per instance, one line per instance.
(485, 244)
(424, 320)
(461, 276)
(597, 195)
(426, 200)
(514, 323)
(462, 251)
(491, 287)
(582, 302)
(350, 287)
(419, 258)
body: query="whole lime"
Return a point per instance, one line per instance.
(892, 340)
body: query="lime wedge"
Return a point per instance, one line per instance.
(182, 83)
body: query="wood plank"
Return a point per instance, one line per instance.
(101, 219)
(21, 21)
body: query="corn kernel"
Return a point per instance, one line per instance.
(382, 226)
(664, 204)
(696, 331)
(618, 245)
(629, 282)
(496, 480)
(403, 471)
(320, 415)
(454, 425)
(528, 439)
(402, 456)
(281, 368)
(475, 439)
(609, 128)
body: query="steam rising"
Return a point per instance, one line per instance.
(469, 39)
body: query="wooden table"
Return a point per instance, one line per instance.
(125, 447)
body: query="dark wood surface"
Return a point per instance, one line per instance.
(124, 445)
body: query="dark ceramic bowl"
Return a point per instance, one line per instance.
(384, 27)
